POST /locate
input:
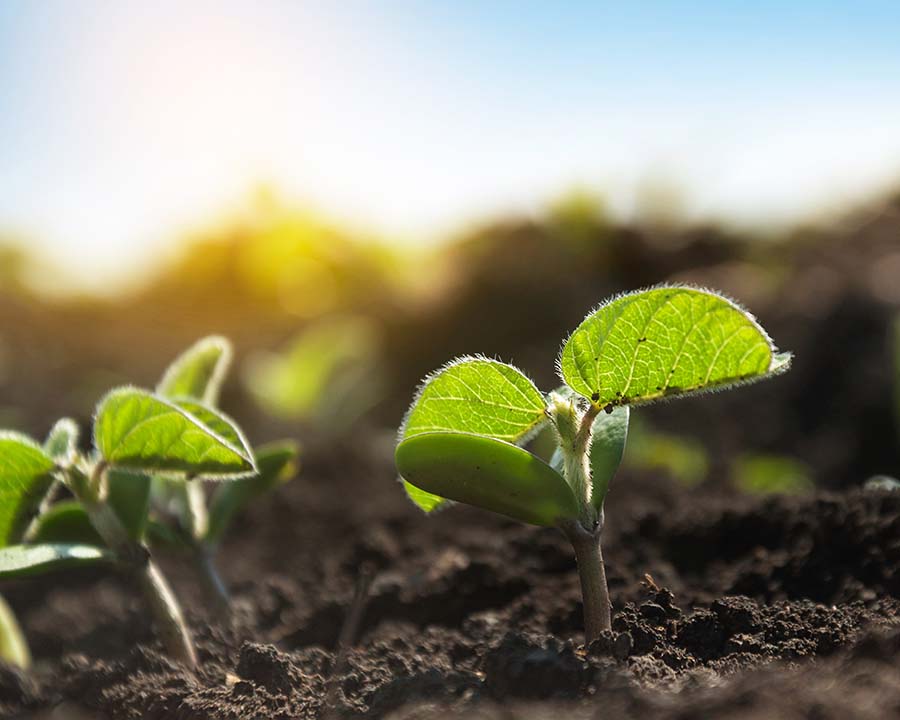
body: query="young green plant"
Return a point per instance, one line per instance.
(138, 437)
(181, 514)
(462, 437)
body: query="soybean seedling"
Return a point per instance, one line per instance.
(137, 436)
(181, 514)
(462, 436)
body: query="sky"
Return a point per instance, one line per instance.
(124, 123)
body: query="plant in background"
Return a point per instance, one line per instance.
(181, 514)
(462, 436)
(138, 437)
(328, 375)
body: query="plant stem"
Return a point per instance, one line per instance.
(157, 593)
(167, 613)
(594, 591)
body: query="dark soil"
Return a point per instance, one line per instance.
(725, 606)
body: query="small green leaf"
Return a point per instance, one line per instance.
(62, 442)
(64, 523)
(424, 500)
(140, 431)
(276, 463)
(488, 473)
(199, 371)
(610, 431)
(474, 395)
(23, 560)
(13, 646)
(129, 496)
(26, 473)
(666, 341)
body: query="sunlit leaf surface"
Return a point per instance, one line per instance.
(137, 430)
(666, 341)
(25, 476)
(22, 560)
(199, 371)
(473, 395)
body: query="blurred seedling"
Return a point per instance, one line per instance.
(462, 437)
(138, 436)
(181, 515)
(327, 376)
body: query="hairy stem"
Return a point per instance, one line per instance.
(167, 613)
(594, 591)
(157, 593)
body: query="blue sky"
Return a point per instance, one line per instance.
(123, 123)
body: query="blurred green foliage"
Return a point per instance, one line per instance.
(682, 458)
(763, 474)
(327, 374)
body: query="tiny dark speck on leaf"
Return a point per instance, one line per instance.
(643, 339)
(595, 397)
(609, 408)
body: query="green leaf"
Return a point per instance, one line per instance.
(276, 463)
(65, 522)
(26, 473)
(488, 473)
(424, 500)
(610, 431)
(199, 371)
(663, 342)
(129, 496)
(62, 442)
(218, 422)
(23, 560)
(13, 646)
(140, 431)
(474, 395)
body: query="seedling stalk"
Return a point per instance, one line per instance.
(592, 573)
(135, 555)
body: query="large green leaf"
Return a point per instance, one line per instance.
(26, 473)
(140, 431)
(666, 341)
(23, 560)
(276, 465)
(199, 371)
(473, 395)
(62, 442)
(488, 473)
(64, 523)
